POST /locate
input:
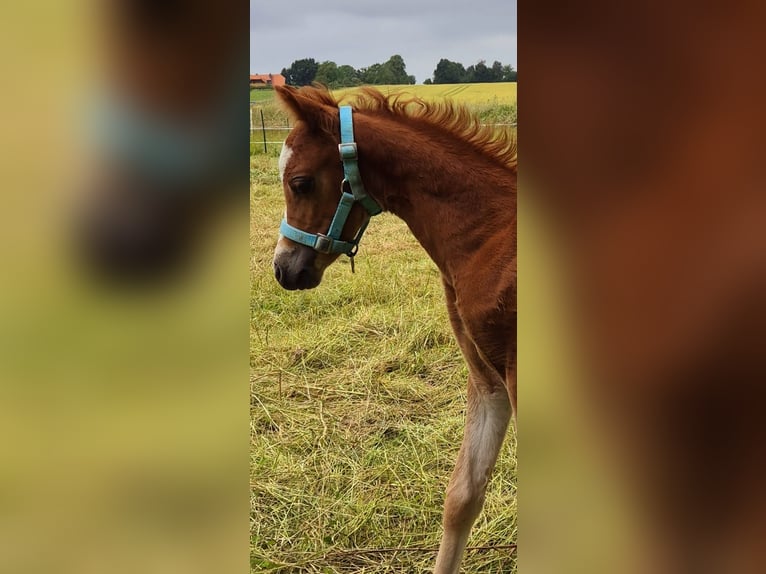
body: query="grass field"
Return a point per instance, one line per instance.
(357, 406)
(467, 93)
(261, 95)
(476, 94)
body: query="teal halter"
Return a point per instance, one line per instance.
(331, 242)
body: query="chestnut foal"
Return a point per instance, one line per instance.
(454, 183)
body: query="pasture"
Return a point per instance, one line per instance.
(357, 405)
(261, 95)
(467, 93)
(472, 94)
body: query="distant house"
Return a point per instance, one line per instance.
(261, 80)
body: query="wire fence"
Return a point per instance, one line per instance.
(265, 137)
(268, 138)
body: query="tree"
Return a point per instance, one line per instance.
(393, 71)
(482, 73)
(448, 72)
(397, 71)
(304, 72)
(348, 76)
(509, 74)
(334, 76)
(301, 72)
(327, 74)
(497, 71)
(370, 74)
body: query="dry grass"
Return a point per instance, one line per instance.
(357, 403)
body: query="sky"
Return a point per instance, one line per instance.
(364, 32)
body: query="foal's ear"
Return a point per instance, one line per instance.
(313, 106)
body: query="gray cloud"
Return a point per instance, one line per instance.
(362, 33)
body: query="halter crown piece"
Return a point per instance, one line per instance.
(331, 242)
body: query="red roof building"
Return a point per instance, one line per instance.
(266, 80)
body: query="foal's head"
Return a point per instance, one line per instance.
(312, 176)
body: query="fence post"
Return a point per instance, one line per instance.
(263, 128)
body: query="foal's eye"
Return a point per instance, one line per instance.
(302, 185)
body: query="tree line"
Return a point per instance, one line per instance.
(304, 72)
(392, 72)
(448, 72)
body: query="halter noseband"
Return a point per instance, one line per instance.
(331, 242)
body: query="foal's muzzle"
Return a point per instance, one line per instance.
(296, 269)
(305, 278)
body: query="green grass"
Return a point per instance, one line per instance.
(261, 95)
(357, 405)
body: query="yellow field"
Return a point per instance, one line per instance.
(495, 93)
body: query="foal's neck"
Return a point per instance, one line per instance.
(452, 196)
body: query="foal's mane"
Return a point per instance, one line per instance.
(445, 116)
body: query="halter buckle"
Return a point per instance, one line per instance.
(348, 151)
(323, 243)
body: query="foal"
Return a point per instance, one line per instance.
(454, 184)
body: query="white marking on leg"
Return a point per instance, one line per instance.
(486, 424)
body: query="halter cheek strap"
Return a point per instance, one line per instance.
(331, 241)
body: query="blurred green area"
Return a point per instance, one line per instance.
(123, 413)
(575, 515)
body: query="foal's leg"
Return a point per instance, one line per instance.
(487, 415)
(487, 419)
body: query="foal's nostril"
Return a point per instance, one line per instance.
(278, 272)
